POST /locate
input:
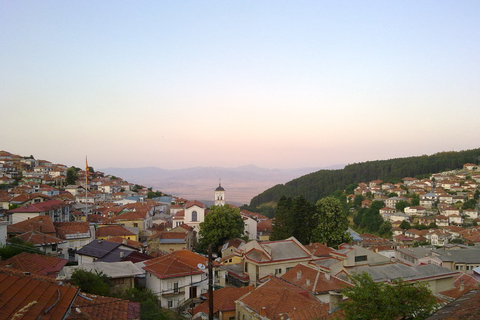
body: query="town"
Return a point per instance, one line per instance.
(59, 220)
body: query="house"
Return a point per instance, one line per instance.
(318, 283)
(232, 246)
(38, 264)
(278, 299)
(104, 232)
(272, 257)
(40, 223)
(134, 219)
(264, 230)
(46, 243)
(193, 214)
(415, 211)
(412, 256)
(455, 219)
(76, 235)
(223, 303)
(464, 307)
(437, 278)
(392, 201)
(177, 277)
(178, 238)
(121, 274)
(463, 259)
(57, 210)
(98, 249)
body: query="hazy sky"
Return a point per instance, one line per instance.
(278, 84)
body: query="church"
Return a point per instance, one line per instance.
(193, 212)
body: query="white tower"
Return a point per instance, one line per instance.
(219, 195)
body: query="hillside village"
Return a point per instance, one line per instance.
(140, 237)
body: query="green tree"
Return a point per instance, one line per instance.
(15, 246)
(369, 300)
(415, 200)
(91, 282)
(72, 175)
(332, 223)
(221, 223)
(405, 225)
(401, 205)
(357, 203)
(149, 305)
(385, 230)
(282, 228)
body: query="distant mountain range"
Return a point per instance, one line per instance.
(198, 183)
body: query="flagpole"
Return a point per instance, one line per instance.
(86, 186)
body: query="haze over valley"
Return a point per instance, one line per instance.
(241, 183)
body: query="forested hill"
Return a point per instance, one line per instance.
(317, 185)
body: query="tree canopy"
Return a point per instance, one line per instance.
(400, 300)
(72, 175)
(294, 217)
(323, 183)
(331, 223)
(221, 223)
(91, 282)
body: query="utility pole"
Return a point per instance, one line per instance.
(210, 283)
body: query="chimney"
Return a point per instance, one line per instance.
(307, 282)
(122, 255)
(462, 285)
(334, 299)
(251, 288)
(299, 274)
(327, 276)
(263, 311)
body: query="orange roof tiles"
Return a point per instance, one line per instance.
(93, 307)
(39, 239)
(314, 280)
(278, 297)
(175, 264)
(113, 231)
(223, 300)
(42, 223)
(65, 228)
(32, 297)
(36, 263)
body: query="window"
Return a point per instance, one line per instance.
(278, 271)
(194, 216)
(175, 287)
(360, 258)
(170, 303)
(246, 267)
(135, 225)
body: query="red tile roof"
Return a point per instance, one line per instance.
(319, 250)
(42, 223)
(36, 263)
(314, 280)
(39, 207)
(93, 307)
(176, 264)
(33, 297)
(39, 239)
(223, 300)
(66, 228)
(113, 231)
(278, 297)
(195, 203)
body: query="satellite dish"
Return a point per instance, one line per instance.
(201, 266)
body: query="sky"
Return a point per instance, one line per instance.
(277, 84)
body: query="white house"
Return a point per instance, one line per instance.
(177, 277)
